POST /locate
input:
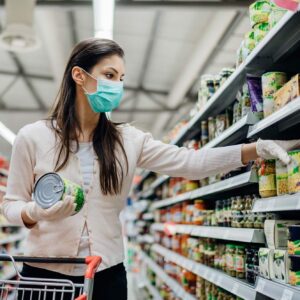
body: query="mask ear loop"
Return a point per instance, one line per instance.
(84, 89)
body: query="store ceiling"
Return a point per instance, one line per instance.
(168, 44)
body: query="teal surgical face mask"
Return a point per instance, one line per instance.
(107, 97)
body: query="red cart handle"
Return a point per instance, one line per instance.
(93, 263)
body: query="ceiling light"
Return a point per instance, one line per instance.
(103, 18)
(18, 34)
(7, 134)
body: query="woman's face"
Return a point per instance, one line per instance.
(110, 68)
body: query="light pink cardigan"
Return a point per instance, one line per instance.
(33, 155)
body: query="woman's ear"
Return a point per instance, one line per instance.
(78, 76)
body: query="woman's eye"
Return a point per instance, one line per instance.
(109, 76)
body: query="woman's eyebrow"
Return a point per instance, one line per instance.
(115, 70)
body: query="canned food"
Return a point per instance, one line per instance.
(259, 12)
(51, 188)
(249, 42)
(293, 172)
(276, 15)
(260, 31)
(267, 179)
(281, 178)
(272, 82)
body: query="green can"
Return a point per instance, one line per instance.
(51, 188)
(272, 82)
(259, 12)
(260, 31)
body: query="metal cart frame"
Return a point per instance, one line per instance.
(43, 289)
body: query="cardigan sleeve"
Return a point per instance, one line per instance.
(20, 180)
(188, 163)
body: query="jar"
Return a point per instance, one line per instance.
(230, 253)
(198, 212)
(239, 262)
(211, 128)
(176, 243)
(267, 178)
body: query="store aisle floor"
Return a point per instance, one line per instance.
(132, 287)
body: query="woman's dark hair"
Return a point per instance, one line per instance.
(107, 140)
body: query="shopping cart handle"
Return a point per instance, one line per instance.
(93, 263)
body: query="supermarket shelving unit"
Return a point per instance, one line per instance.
(275, 52)
(173, 284)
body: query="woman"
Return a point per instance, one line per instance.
(81, 144)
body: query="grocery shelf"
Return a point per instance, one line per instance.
(242, 180)
(280, 203)
(233, 285)
(12, 238)
(236, 133)
(285, 118)
(232, 183)
(173, 284)
(247, 235)
(276, 290)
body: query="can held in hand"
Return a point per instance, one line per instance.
(51, 188)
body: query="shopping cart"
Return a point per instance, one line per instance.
(48, 289)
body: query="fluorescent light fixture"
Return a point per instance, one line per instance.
(7, 134)
(18, 34)
(103, 18)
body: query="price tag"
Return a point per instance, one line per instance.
(205, 274)
(226, 234)
(287, 295)
(260, 285)
(235, 288)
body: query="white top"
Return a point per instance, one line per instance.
(86, 161)
(34, 154)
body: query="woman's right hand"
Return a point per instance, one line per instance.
(59, 211)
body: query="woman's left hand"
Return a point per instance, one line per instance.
(268, 149)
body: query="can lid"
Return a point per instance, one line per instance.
(48, 190)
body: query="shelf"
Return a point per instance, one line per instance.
(235, 134)
(243, 180)
(247, 235)
(285, 118)
(12, 238)
(173, 284)
(276, 290)
(233, 285)
(280, 203)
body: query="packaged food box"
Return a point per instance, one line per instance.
(281, 178)
(265, 256)
(255, 90)
(280, 266)
(288, 92)
(294, 172)
(277, 233)
(294, 240)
